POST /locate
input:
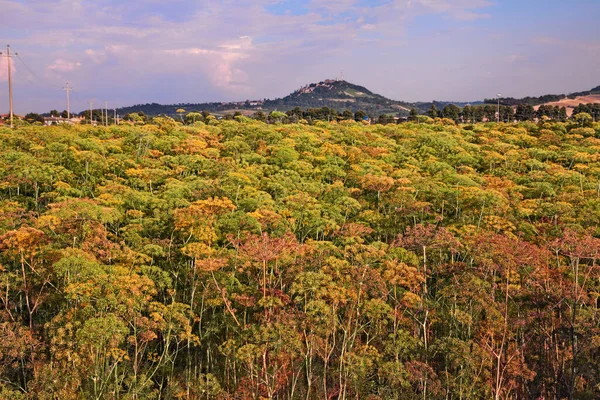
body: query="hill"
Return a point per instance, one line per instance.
(336, 94)
(570, 100)
(570, 103)
(340, 95)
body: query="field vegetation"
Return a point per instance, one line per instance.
(236, 259)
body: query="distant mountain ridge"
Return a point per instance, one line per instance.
(340, 95)
(337, 94)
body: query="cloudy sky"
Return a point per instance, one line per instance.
(172, 51)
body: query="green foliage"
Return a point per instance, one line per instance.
(234, 258)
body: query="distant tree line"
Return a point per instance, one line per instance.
(487, 112)
(32, 117)
(529, 100)
(590, 108)
(466, 114)
(595, 90)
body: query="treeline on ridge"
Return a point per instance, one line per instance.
(466, 114)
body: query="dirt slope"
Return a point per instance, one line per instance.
(570, 104)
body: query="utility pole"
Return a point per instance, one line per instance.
(10, 91)
(68, 89)
(106, 111)
(498, 114)
(91, 113)
(115, 117)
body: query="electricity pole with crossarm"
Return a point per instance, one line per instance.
(10, 91)
(68, 89)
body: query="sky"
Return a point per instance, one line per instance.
(180, 51)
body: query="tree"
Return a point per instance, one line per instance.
(507, 113)
(277, 116)
(583, 119)
(134, 117)
(581, 108)
(296, 111)
(33, 117)
(347, 115)
(385, 119)
(260, 116)
(489, 112)
(451, 112)
(360, 115)
(595, 112)
(478, 113)
(467, 113)
(525, 112)
(562, 116)
(412, 116)
(433, 112)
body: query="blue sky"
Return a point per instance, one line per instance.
(219, 50)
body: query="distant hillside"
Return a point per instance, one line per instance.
(571, 102)
(340, 95)
(153, 109)
(594, 91)
(552, 99)
(337, 94)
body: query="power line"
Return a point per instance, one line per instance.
(36, 76)
(45, 83)
(67, 88)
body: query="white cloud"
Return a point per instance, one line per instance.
(213, 50)
(459, 9)
(214, 38)
(61, 65)
(97, 56)
(514, 58)
(470, 16)
(220, 64)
